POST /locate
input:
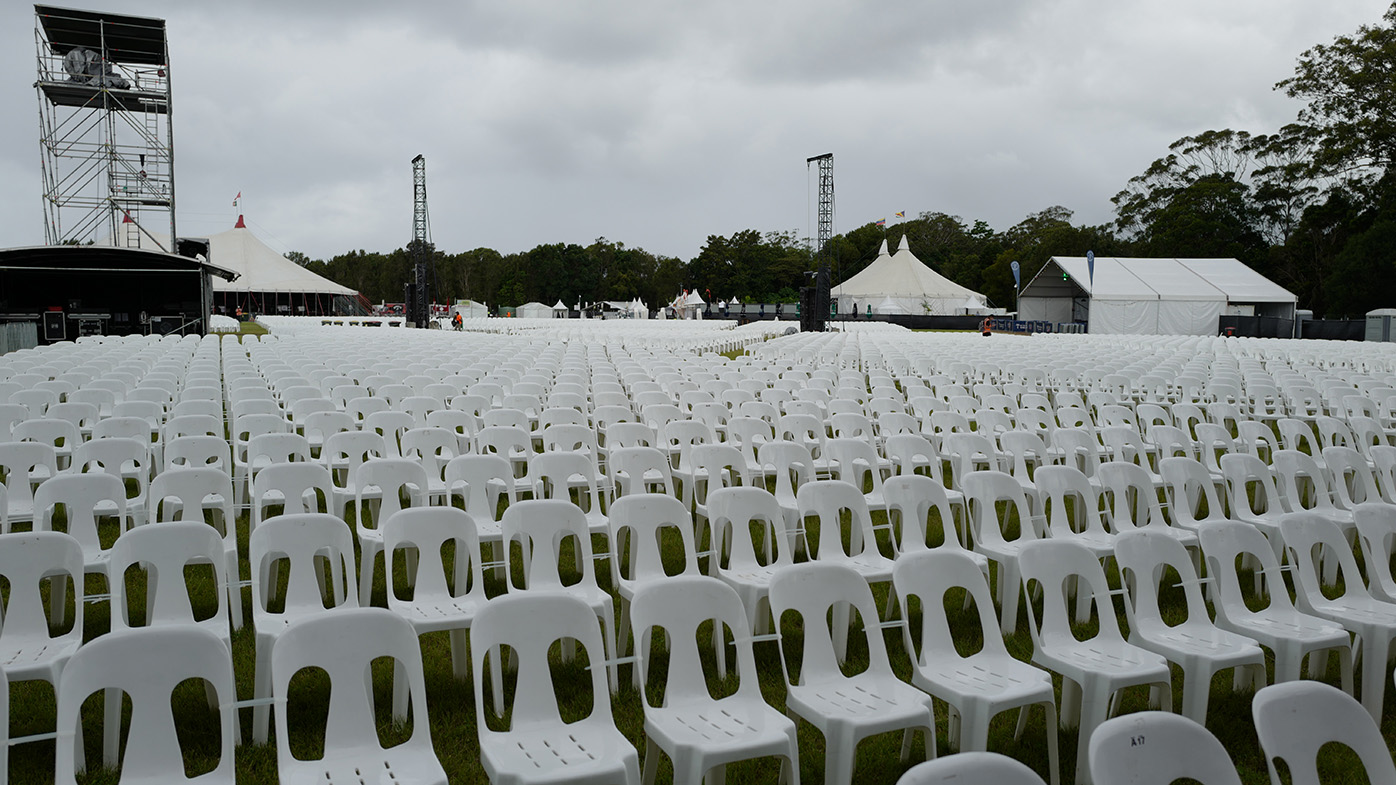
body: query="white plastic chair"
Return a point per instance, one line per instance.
(1093, 669)
(1376, 532)
(1158, 748)
(29, 648)
(1295, 720)
(1278, 626)
(164, 552)
(537, 746)
(147, 665)
(1253, 498)
(826, 500)
(1192, 493)
(983, 492)
(123, 458)
(791, 466)
(980, 686)
(1133, 503)
(1194, 644)
(697, 731)
(845, 709)
(436, 603)
(640, 470)
(188, 494)
(540, 527)
(379, 487)
(970, 768)
(24, 465)
(309, 543)
(83, 498)
(343, 454)
(344, 644)
(736, 515)
(638, 523)
(295, 487)
(1310, 538)
(482, 482)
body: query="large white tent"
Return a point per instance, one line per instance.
(1150, 296)
(899, 283)
(268, 282)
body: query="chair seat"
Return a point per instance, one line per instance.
(726, 727)
(873, 701)
(584, 752)
(1004, 682)
(39, 659)
(386, 768)
(1100, 659)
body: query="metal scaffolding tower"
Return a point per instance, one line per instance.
(420, 303)
(818, 307)
(106, 128)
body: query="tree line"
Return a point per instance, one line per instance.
(1312, 205)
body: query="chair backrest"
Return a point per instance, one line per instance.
(1069, 501)
(1250, 485)
(734, 514)
(1353, 481)
(1222, 542)
(164, 551)
(1130, 495)
(1142, 555)
(23, 464)
(81, 496)
(26, 559)
(1295, 719)
(302, 540)
(637, 469)
(428, 529)
(812, 590)
(913, 497)
(642, 520)
(928, 576)
(540, 526)
(295, 487)
(1158, 748)
(387, 480)
(971, 768)
(432, 447)
(1050, 563)
(1376, 530)
(147, 665)
(678, 606)
(791, 465)
(826, 500)
(1309, 538)
(983, 491)
(551, 616)
(1186, 483)
(344, 644)
(481, 480)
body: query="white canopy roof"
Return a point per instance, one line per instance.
(559, 306)
(905, 279)
(693, 298)
(261, 268)
(1148, 296)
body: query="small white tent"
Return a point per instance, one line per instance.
(469, 309)
(907, 283)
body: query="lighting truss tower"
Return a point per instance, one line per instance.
(106, 128)
(825, 234)
(421, 244)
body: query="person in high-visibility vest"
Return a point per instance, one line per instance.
(987, 327)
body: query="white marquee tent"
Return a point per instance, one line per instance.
(1150, 296)
(900, 283)
(534, 310)
(268, 282)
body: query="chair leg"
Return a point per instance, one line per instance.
(261, 715)
(1374, 658)
(1196, 692)
(111, 727)
(651, 762)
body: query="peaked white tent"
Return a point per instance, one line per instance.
(1150, 296)
(903, 282)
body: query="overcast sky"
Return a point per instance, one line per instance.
(659, 122)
